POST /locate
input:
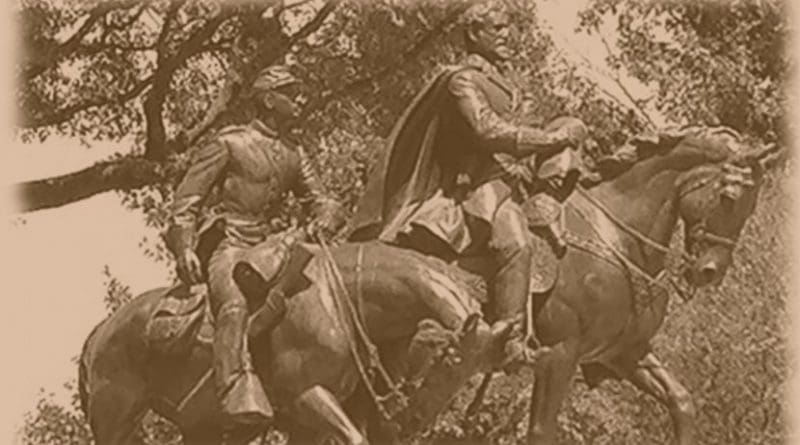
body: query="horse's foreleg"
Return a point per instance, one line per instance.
(318, 409)
(115, 411)
(651, 377)
(553, 378)
(477, 399)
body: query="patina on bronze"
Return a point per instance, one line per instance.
(390, 332)
(595, 316)
(252, 170)
(449, 180)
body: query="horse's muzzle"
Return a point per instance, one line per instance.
(704, 273)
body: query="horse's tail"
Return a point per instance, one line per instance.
(83, 369)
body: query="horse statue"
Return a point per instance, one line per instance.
(358, 348)
(612, 294)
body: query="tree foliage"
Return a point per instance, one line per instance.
(52, 423)
(716, 63)
(171, 72)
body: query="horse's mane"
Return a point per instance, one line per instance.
(715, 144)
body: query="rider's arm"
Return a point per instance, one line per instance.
(495, 133)
(206, 167)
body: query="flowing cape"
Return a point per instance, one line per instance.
(407, 171)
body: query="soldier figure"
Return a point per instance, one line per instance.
(444, 179)
(251, 169)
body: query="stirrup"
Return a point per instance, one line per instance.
(518, 354)
(532, 342)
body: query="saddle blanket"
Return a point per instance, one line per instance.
(182, 316)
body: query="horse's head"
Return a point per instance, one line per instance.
(714, 202)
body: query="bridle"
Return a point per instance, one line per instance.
(731, 178)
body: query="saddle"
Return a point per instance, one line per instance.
(182, 317)
(544, 263)
(543, 206)
(543, 210)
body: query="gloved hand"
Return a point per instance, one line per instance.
(573, 133)
(331, 218)
(188, 266)
(180, 240)
(665, 137)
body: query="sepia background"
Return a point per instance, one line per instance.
(105, 122)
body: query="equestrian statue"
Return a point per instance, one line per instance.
(479, 246)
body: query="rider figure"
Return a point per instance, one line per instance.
(252, 169)
(443, 174)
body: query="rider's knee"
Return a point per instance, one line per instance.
(510, 228)
(511, 239)
(230, 308)
(224, 293)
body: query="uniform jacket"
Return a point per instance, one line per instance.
(242, 174)
(445, 158)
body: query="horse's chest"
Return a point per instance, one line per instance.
(649, 300)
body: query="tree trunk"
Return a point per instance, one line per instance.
(127, 173)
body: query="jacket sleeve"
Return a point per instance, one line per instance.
(206, 167)
(495, 133)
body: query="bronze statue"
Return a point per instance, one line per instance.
(370, 340)
(252, 170)
(449, 182)
(601, 315)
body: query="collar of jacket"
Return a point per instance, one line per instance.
(493, 72)
(264, 129)
(477, 61)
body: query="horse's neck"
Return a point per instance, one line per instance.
(643, 199)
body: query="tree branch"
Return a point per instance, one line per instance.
(226, 95)
(131, 20)
(126, 173)
(633, 105)
(155, 145)
(153, 105)
(46, 118)
(95, 48)
(35, 63)
(615, 77)
(412, 51)
(316, 22)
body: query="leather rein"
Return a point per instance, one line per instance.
(697, 233)
(395, 400)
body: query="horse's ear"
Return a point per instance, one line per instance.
(664, 139)
(765, 158)
(771, 155)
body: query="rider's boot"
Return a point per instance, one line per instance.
(242, 397)
(510, 289)
(557, 235)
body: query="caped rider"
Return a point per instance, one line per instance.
(249, 169)
(442, 184)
